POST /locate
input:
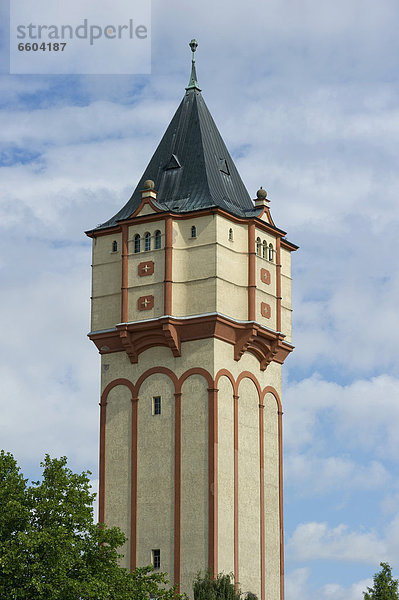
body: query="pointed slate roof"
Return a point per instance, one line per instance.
(192, 168)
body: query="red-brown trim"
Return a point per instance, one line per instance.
(271, 390)
(226, 373)
(251, 271)
(236, 525)
(133, 493)
(266, 345)
(265, 276)
(133, 466)
(145, 268)
(289, 245)
(251, 376)
(161, 370)
(125, 275)
(156, 216)
(145, 302)
(262, 501)
(213, 479)
(278, 284)
(146, 200)
(101, 484)
(213, 426)
(196, 371)
(265, 310)
(281, 511)
(177, 509)
(168, 265)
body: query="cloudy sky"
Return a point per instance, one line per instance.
(305, 94)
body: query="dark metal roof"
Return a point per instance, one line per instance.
(192, 168)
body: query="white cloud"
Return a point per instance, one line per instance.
(308, 106)
(317, 541)
(312, 475)
(49, 370)
(363, 415)
(335, 591)
(298, 585)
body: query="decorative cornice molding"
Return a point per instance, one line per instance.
(134, 338)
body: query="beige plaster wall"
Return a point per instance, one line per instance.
(146, 210)
(240, 234)
(225, 476)
(272, 521)
(286, 305)
(156, 447)
(224, 359)
(149, 284)
(106, 282)
(270, 239)
(105, 312)
(117, 463)
(206, 232)
(248, 488)
(194, 475)
(155, 472)
(232, 268)
(285, 258)
(232, 300)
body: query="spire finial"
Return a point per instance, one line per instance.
(193, 83)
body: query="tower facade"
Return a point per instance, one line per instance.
(191, 313)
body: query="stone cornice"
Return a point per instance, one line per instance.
(246, 336)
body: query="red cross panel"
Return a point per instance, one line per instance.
(265, 310)
(145, 302)
(265, 276)
(145, 268)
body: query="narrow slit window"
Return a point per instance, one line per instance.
(193, 231)
(271, 252)
(137, 243)
(147, 241)
(258, 246)
(157, 240)
(156, 405)
(156, 559)
(230, 235)
(114, 246)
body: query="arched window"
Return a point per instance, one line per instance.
(271, 252)
(137, 243)
(230, 235)
(147, 241)
(114, 246)
(193, 231)
(258, 246)
(157, 240)
(264, 249)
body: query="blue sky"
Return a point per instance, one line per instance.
(305, 95)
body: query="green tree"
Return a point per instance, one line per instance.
(221, 587)
(50, 548)
(384, 588)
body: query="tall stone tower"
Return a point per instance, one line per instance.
(191, 313)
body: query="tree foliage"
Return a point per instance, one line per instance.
(50, 548)
(221, 587)
(385, 587)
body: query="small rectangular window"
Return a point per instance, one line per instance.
(156, 405)
(156, 559)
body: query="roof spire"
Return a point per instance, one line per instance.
(193, 83)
